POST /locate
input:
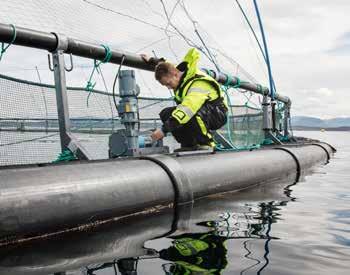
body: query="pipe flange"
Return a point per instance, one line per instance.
(327, 153)
(181, 183)
(62, 42)
(183, 201)
(295, 159)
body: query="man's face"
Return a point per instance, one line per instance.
(171, 80)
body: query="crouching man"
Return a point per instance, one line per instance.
(200, 103)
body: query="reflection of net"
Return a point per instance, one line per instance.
(254, 223)
(240, 225)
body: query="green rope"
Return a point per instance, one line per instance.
(65, 156)
(228, 80)
(218, 147)
(283, 138)
(3, 47)
(267, 141)
(91, 85)
(259, 87)
(238, 83)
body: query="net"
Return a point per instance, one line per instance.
(29, 125)
(28, 115)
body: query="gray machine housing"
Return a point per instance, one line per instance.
(126, 142)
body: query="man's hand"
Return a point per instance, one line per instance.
(145, 57)
(157, 135)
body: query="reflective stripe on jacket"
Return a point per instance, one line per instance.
(194, 90)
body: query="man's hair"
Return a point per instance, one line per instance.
(164, 69)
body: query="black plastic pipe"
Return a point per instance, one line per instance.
(234, 81)
(48, 41)
(55, 197)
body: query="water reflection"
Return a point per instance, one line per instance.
(119, 246)
(205, 251)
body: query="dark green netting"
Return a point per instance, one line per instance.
(29, 125)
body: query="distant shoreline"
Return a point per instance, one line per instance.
(306, 128)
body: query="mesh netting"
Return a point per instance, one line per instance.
(29, 125)
(165, 28)
(245, 127)
(28, 115)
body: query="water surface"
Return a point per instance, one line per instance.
(278, 228)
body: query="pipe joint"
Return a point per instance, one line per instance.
(62, 42)
(297, 162)
(326, 151)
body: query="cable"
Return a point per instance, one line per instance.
(115, 81)
(256, 38)
(28, 140)
(125, 15)
(266, 49)
(90, 85)
(43, 94)
(195, 23)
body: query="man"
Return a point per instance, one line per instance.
(200, 103)
(196, 253)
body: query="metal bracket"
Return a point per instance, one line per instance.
(65, 68)
(71, 64)
(77, 149)
(61, 47)
(270, 135)
(222, 140)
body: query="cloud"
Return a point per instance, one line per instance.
(324, 92)
(342, 46)
(309, 43)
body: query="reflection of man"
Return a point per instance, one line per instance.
(200, 108)
(196, 254)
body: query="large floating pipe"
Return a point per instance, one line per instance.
(38, 199)
(49, 41)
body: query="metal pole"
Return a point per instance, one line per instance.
(286, 121)
(266, 119)
(67, 139)
(61, 97)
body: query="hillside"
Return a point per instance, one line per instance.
(305, 121)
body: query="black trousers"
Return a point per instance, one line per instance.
(190, 134)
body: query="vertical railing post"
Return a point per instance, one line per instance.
(267, 121)
(68, 141)
(286, 120)
(266, 118)
(61, 97)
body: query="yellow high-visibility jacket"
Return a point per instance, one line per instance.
(194, 90)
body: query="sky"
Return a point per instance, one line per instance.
(309, 42)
